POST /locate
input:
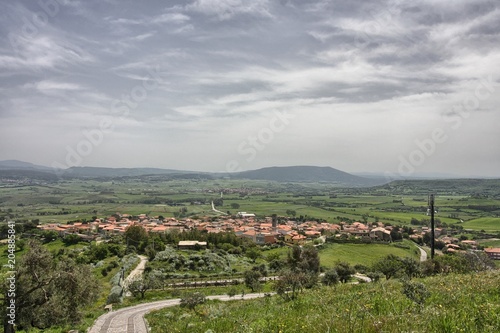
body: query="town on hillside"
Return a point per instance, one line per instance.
(269, 230)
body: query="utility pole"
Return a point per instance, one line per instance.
(431, 207)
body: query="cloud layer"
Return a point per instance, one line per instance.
(197, 85)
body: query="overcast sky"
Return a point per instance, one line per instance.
(221, 85)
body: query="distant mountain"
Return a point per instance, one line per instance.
(96, 172)
(291, 174)
(20, 165)
(308, 174)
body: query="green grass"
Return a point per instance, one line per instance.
(457, 303)
(363, 254)
(491, 224)
(495, 242)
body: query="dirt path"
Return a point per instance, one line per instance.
(136, 272)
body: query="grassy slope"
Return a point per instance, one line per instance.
(457, 303)
(364, 254)
(486, 223)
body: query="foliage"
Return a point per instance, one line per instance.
(50, 292)
(389, 266)
(171, 260)
(457, 303)
(330, 278)
(253, 253)
(140, 285)
(415, 291)
(115, 296)
(302, 272)
(136, 234)
(410, 267)
(252, 280)
(469, 262)
(290, 283)
(344, 271)
(192, 300)
(71, 239)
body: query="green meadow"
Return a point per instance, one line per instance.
(455, 303)
(491, 224)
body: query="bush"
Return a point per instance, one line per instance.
(330, 278)
(115, 296)
(415, 291)
(191, 300)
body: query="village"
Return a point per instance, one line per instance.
(265, 231)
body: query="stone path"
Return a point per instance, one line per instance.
(131, 319)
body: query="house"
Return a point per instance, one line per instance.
(265, 238)
(493, 252)
(245, 215)
(191, 245)
(295, 238)
(381, 234)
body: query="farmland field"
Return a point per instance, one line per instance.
(484, 223)
(74, 200)
(364, 254)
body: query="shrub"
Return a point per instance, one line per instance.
(115, 296)
(330, 278)
(191, 300)
(415, 291)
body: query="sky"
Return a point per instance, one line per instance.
(394, 87)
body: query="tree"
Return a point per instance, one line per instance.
(390, 265)
(344, 271)
(191, 300)
(139, 286)
(136, 234)
(415, 291)
(290, 284)
(302, 271)
(410, 267)
(310, 260)
(50, 292)
(71, 239)
(252, 280)
(253, 253)
(330, 278)
(235, 205)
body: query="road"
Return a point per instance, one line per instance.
(131, 319)
(423, 254)
(137, 272)
(217, 211)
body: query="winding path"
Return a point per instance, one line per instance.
(423, 254)
(131, 319)
(136, 272)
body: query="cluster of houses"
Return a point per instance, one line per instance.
(260, 231)
(266, 231)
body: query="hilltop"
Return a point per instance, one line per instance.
(291, 174)
(308, 174)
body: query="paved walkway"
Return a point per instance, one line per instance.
(131, 319)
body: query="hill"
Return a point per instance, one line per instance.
(97, 172)
(20, 165)
(451, 303)
(469, 187)
(308, 174)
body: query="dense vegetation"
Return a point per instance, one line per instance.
(454, 303)
(466, 209)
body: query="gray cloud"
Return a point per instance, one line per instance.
(366, 82)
